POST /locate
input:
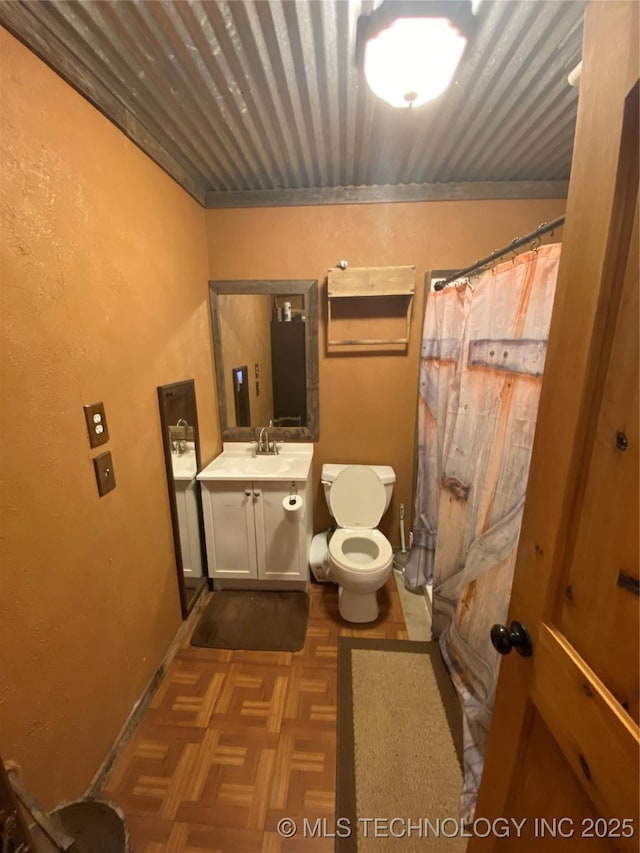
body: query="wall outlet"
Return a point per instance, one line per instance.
(105, 476)
(96, 424)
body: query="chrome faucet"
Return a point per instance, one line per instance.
(181, 446)
(265, 446)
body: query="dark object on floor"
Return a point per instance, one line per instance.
(95, 826)
(246, 619)
(83, 826)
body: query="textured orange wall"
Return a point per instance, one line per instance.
(103, 271)
(367, 402)
(237, 313)
(104, 274)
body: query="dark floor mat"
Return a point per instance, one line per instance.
(268, 621)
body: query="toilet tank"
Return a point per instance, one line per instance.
(331, 470)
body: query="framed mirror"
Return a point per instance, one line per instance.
(179, 419)
(265, 339)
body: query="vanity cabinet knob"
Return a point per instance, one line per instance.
(247, 493)
(257, 494)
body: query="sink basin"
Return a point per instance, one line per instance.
(261, 464)
(184, 465)
(238, 461)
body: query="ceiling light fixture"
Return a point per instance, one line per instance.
(409, 49)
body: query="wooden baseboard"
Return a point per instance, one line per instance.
(101, 776)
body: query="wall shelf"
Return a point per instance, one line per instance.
(369, 308)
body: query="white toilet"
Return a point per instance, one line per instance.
(359, 556)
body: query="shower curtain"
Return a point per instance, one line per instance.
(483, 352)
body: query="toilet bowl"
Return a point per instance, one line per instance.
(360, 557)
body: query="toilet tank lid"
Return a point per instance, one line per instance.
(331, 470)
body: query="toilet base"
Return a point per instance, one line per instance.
(357, 606)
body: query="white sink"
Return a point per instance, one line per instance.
(239, 461)
(257, 464)
(184, 464)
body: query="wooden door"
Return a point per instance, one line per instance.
(564, 742)
(240, 385)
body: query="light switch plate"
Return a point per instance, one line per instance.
(96, 424)
(105, 476)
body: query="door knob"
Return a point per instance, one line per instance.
(515, 637)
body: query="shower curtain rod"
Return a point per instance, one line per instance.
(544, 228)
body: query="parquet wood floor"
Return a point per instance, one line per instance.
(233, 741)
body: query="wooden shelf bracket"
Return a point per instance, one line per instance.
(380, 287)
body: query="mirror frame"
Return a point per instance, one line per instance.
(308, 289)
(186, 606)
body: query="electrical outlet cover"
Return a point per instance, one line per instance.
(96, 424)
(105, 476)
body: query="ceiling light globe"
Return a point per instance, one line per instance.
(413, 60)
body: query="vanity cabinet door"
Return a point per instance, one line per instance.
(188, 524)
(230, 529)
(280, 540)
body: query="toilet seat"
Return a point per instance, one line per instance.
(357, 560)
(358, 500)
(358, 497)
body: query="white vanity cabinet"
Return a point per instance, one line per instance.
(188, 525)
(186, 493)
(252, 540)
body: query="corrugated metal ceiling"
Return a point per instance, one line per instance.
(261, 102)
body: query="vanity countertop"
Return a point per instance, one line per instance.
(238, 461)
(184, 464)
